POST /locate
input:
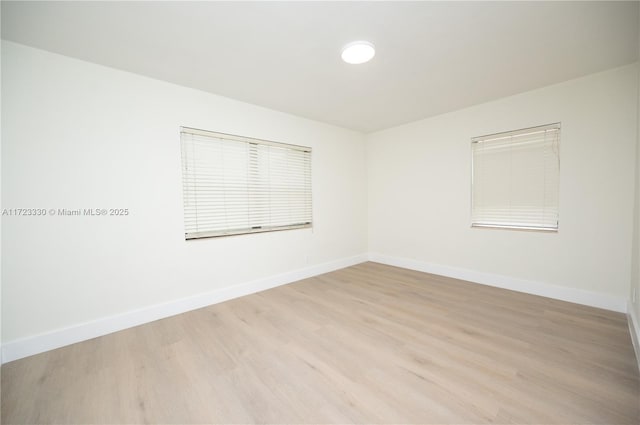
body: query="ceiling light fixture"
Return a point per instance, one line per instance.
(358, 52)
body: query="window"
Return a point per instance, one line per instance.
(234, 185)
(515, 179)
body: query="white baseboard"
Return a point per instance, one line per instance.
(17, 349)
(24, 347)
(574, 295)
(634, 330)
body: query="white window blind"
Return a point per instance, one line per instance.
(515, 179)
(235, 185)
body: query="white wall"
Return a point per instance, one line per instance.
(634, 294)
(419, 188)
(78, 135)
(0, 208)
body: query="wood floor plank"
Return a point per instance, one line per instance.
(366, 344)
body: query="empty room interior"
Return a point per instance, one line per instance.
(320, 212)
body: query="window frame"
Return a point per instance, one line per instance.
(307, 176)
(494, 136)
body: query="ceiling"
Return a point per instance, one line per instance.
(432, 57)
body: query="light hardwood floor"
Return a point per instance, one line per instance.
(366, 344)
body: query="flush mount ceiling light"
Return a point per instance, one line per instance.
(358, 52)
